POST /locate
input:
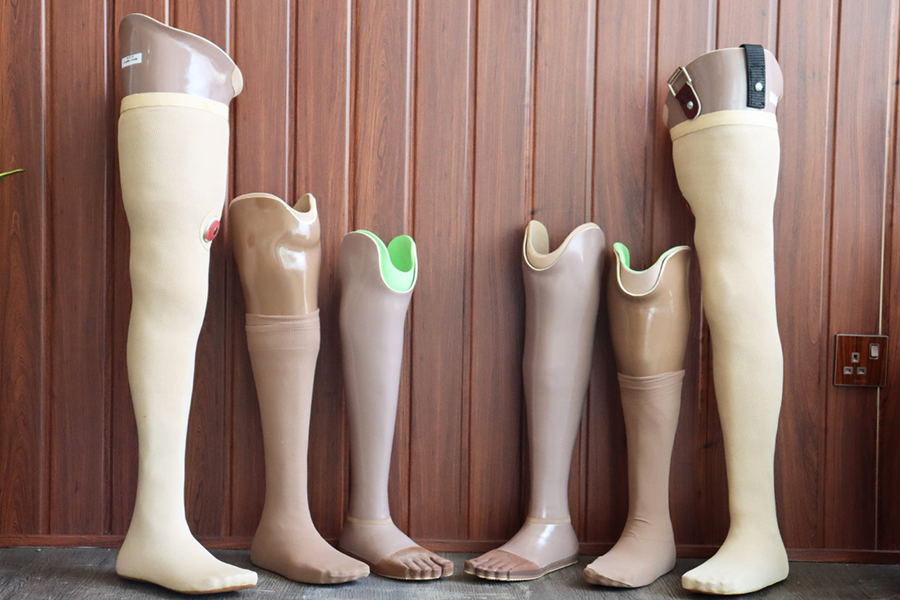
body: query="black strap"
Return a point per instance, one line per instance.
(756, 75)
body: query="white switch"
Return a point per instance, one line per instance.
(874, 351)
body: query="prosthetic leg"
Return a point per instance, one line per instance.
(649, 316)
(727, 163)
(278, 254)
(377, 282)
(173, 159)
(562, 292)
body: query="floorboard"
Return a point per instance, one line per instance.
(89, 573)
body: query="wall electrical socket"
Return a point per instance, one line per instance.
(860, 360)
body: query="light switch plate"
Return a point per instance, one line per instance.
(860, 360)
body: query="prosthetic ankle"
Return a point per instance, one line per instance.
(649, 314)
(377, 281)
(278, 253)
(562, 293)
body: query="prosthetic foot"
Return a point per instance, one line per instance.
(649, 316)
(173, 159)
(278, 254)
(562, 293)
(377, 282)
(727, 162)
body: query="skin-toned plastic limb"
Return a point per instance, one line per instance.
(173, 159)
(278, 254)
(727, 165)
(649, 316)
(377, 281)
(562, 295)
(157, 58)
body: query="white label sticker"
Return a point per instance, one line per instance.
(133, 59)
(773, 98)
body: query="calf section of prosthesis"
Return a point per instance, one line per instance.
(649, 313)
(562, 293)
(377, 282)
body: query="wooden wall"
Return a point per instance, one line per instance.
(455, 121)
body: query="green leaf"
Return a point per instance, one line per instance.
(8, 173)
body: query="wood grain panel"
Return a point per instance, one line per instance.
(802, 214)
(262, 147)
(209, 437)
(624, 76)
(863, 123)
(444, 135)
(324, 35)
(686, 29)
(123, 479)
(78, 196)
(381, 172)
(563, 152)
(502, 188)
(748, 22)
(23, 234)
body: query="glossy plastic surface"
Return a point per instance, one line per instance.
(157, 58)
(278, 251)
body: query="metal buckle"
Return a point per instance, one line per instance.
(682, 71)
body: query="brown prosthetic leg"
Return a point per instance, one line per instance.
(649, 315)
(377, 282)
(278, 254)
(562, 293)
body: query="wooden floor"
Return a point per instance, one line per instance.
(89, 573)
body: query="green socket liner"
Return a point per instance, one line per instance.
(622, 250)
(398, 261)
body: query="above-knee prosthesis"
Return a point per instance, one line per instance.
(278, 253)
(562, 295)
(377, 282)
(649, 318)
(727, 163)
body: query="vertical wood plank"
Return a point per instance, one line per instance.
(802, 215)
(123, 466)
(686, 29)
(443, 200)
(502, 201)
(748, 22)
(23, 239)
(563, 151)
(864, 119)
(324, 31)
(78, 186)
(209, 438)
(622, 144)
(381, 160)
(262, 163)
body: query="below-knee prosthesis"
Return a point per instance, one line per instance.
(278, 253)
(562, 295)
(649, 318)
(173, 159)
(377, 282)
(727, 164)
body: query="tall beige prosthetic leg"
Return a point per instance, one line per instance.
(173, 158)
(562, 294)
(377, 282)
(649, 316)
(278, 253)
(727, 168)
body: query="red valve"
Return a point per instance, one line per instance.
(212, 231)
